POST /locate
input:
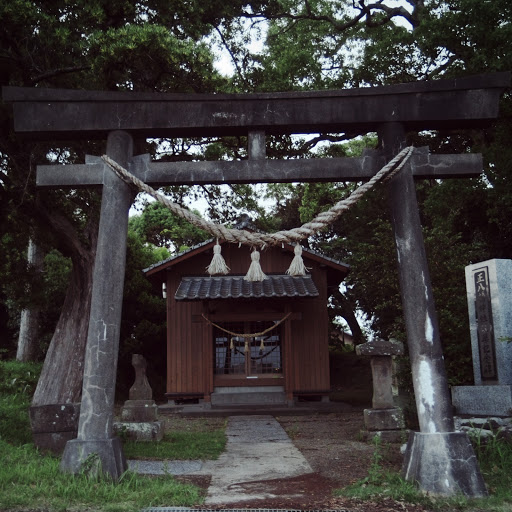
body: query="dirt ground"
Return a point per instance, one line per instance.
(333, 447)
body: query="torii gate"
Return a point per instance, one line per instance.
(441, 460)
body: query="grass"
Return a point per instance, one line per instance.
(179, 446)
(17, 384)
(32, 480)
(495, 459)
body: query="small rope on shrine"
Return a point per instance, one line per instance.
(255, 273)
(262, 240)
(262, 333)
(218, 265)
(297, 267)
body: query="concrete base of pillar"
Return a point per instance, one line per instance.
(443, 464)
(96, 456)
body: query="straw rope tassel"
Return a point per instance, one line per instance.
(217, 265)
(297, 267)
(247, 345)
(232, 344)
(255, 273)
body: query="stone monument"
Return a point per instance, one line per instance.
(489, 293)
(384, 420)
(139, 414)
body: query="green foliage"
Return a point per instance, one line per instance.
(18, 378)
(30, 479)
(494, 455)
(120, 55)
(157, 45)
(17, 385)
(158, 226)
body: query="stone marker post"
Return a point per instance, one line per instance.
(489, 294)
(95, 428)
(441, 460)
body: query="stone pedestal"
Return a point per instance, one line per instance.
(140, 431)
(384, 420)
(54, 425)
(444, 463)
(483, 400)
(139, 410)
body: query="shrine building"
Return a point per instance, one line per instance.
(209, 356)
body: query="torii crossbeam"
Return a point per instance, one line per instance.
(441, 460)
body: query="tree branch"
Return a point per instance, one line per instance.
(56, 72)
(365, 11)
(231, 54)
(308, 145)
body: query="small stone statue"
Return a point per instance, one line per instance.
(141, 390)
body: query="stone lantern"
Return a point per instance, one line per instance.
(384, 419)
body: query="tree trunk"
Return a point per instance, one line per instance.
(28, 339)
(346, 311)
(61, 377)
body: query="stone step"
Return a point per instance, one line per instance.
(248, 398)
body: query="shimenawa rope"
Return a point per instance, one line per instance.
(254, 335)
(262, 239)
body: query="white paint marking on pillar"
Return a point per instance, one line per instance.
(403, 246)
(426, 392)
(429, 329)
(104, 338)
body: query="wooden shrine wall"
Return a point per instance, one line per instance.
(189, 337)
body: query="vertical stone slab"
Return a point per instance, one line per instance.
(489, 296)
(256, 145)
(95, 429)
(437, 453)
(489, 293)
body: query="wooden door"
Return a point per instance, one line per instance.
(238, 360)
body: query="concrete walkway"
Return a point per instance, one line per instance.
(257, 449)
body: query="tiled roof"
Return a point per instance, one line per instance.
(235, 287)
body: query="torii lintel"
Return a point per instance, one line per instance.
(76, 114)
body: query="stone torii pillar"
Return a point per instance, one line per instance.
(442, 460)
(95, 427)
